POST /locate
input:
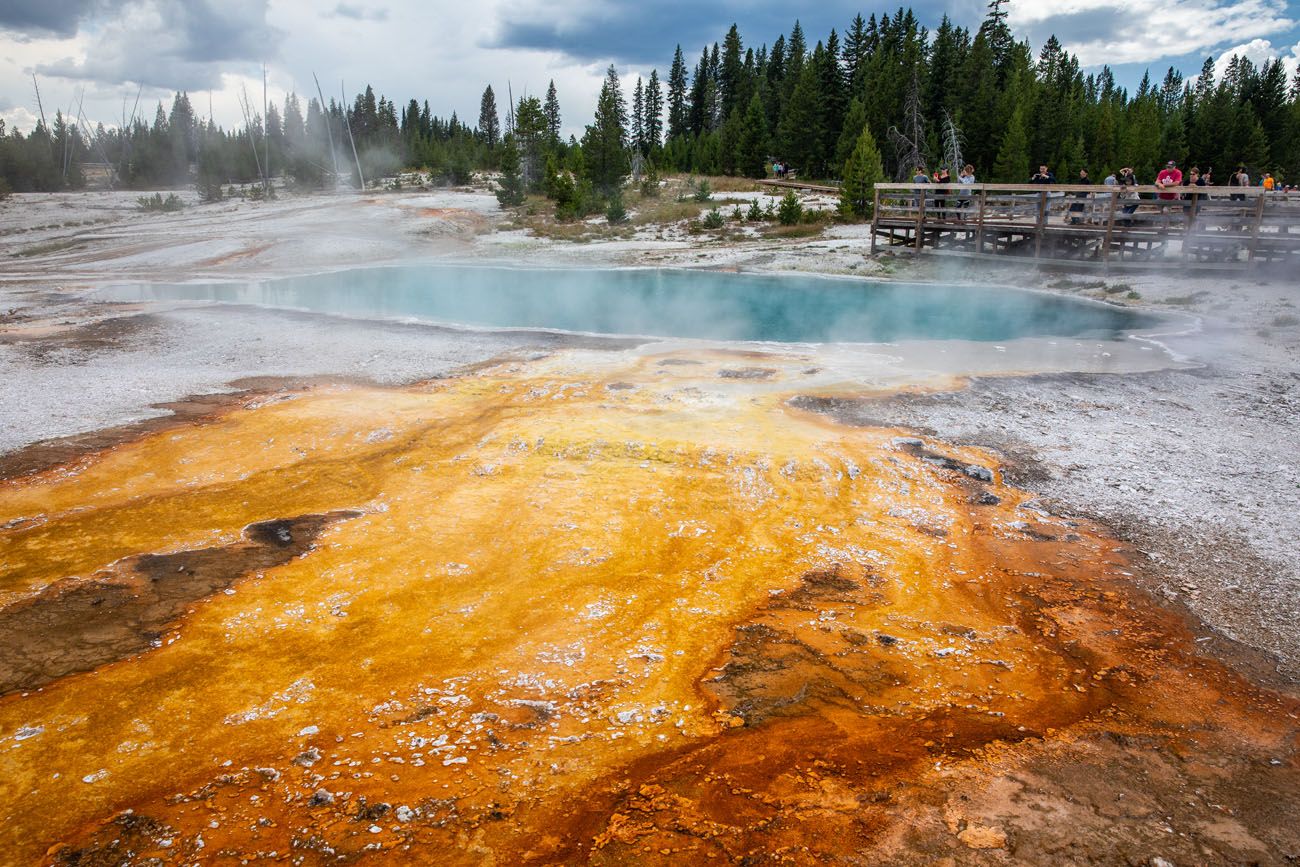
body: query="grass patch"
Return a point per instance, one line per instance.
(51, 247)
(798, 230)
(663, 210)
(1285, 320)
(725, 184)
(1133, 295)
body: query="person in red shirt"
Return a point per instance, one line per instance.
(1170, 176)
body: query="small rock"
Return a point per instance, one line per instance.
(988, 498)
(321, 797)
(405, 813)
(307, 757)
(1161, 862)
(374, 829)
(983, 837)
(308, 731)
(907, 442)
(983, 474)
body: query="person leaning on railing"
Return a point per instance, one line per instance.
(919, 177)
(1128, 190)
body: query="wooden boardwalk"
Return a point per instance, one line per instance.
(799, 185)
(1213, 227)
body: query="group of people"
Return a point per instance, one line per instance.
(1169, 178)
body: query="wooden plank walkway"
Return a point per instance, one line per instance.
(1204, 227)
(799, 185)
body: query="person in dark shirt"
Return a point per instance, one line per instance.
(943, 176)
(1043, 176)
(1078, 208)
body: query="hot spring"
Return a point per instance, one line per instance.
(707, 305)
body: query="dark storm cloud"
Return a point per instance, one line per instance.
(646, 33)
(358, 13)
(44, 17)
(173, 44)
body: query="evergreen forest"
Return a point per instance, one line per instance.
(892, 91)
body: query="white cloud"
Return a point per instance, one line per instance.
(1258, 52)
(1134, 31)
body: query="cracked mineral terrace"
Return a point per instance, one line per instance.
(389, 593)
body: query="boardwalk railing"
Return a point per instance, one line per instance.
(1224, 227)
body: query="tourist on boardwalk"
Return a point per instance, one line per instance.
(1111, 180)
(920, 177)
(1239, 179)
(1170, 176)
(1043, 176)
(1078, 208)
(966, 177)
(1268, 183)
(1193, 179)
(942, 177)
(1128, 190)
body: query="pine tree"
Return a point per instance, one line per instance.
(855, 51)
(730, 73)
(834, 103)
(654, 112)
(1012, 165)
(855, 121)
(604, 146)
(801, 133)
(751, 146)
(551, 110)
(489, 124)
(863, 170)
(678, 110)
(531, 134)
(510, 192)
(637, 132)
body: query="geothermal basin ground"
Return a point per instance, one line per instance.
(294, 586)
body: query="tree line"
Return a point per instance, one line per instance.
(918, 97)
(309, 146)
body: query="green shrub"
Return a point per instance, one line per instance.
(156, 203)
(703, 192)
(755, 213)
(650, 182)
(712, 220)
(791, 211)
(614, 211)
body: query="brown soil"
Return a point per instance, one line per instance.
(80, 624)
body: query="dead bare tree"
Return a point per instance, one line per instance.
(909, 142)
(953, 143)
(329, 130)
(343, 92)
(248, 127)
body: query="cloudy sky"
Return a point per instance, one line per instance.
(103, 52)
